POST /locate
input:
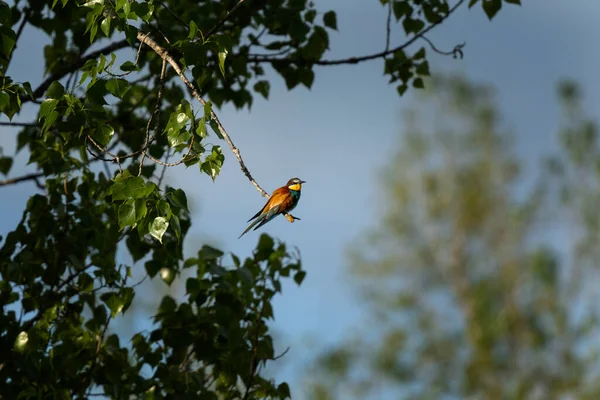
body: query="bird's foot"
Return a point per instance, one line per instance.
(291, 218)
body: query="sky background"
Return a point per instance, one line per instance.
(339, 135)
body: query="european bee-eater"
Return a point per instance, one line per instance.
(282, 201)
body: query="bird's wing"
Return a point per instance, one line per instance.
(265, 217)
(276, 198)
(282, 202)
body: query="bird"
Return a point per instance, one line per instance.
(282, 201)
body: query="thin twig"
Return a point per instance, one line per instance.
(18, 35)
(164, 168)
(21, 124)
(222, 21)
(282, 354)
(115, 158)
(177, 17)
(354, 60)
(105, 151)
(155, 113)
(166, 164)
(27, 177)
(388, 32)
(455, 52)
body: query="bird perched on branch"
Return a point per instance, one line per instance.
(282, 201)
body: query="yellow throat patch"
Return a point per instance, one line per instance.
(295, 187)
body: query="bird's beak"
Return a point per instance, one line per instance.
(302, 181)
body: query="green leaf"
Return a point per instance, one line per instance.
(5, 164)
(402, 89)
(164, 209)
(140, 209)
(401, 8)
(491, 7)
(47, 106)
(222, 57)
(419, 54)
(208, 111)
(284, 390)
(128, 66)
(265, 247)
(307, 77)
(263, 88)
(175, 225)
(159, 227)
(213, 163)
(4, 100)
(7, 41)
(136, 188)
(118, 302)
(105, 26)
(178, 199)
(21, 341)
(215, 128)
(49, 120)
(299, 277)
(201, 128)
(104, 134)
(418, 83)
(126, 215)
(5, 14)
(412, 25)
(55, 91)
(330, 20)
(117, 87)
(208, 253)
(193, 30)
(423, 68)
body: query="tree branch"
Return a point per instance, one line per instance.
(20, 124)
(355, 60)
(223, 20)
(162, 53)
(155, 114)
(41, 89)
(27, 177)
(19, 31)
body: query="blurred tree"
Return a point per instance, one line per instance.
(477, 284)
(128, 90)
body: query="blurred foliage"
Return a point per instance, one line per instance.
(478, 283)
(111, 115)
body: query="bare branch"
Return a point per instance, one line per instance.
(155, 113)
(455, 52)
(223, 20)
(166, 164)
(21, 124)
(388, 32)
(19, 31)
(41, 89)
(162, 53)
(354, 60)
(28, 177)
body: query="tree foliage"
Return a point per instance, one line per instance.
(128, 91)
(477, 280)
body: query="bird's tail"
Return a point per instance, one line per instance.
(250, 227)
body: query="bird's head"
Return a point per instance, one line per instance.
(295, 184)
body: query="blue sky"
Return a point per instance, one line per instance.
(339, 134)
